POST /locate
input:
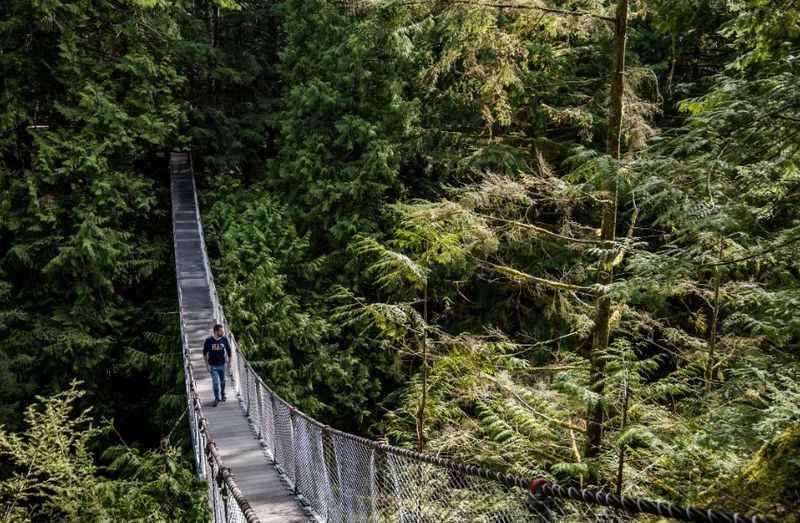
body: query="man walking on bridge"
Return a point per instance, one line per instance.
(217, 353)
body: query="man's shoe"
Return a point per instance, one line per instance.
(224, 399)
(216, 402)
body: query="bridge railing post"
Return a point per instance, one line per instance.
(251, 393)
(260, 408)
(293, 439)
(246, 385)
(381, 481)
(328, 469)
(274, 435)
(239, 363)
(242, 377)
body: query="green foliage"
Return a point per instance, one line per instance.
(51, 466)
(402, 203)
(765, 31)
(228, 56)
(52, 476)
(766, 482)
(90, 92)
(263, 272)
(497, 175)
(343, 121)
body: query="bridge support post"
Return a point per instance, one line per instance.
(294, 447)
(274, 435)
(260, 409)
(247, 389)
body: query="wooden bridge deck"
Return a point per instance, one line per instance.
(236, 442)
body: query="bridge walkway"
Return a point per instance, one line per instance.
(237, 443)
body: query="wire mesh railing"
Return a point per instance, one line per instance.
(343, 478)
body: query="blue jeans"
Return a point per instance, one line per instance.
(218, 381)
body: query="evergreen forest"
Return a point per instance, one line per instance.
(554, 238)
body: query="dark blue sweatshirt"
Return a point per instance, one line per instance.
(215, 350)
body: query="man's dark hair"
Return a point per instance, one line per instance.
(218, 326)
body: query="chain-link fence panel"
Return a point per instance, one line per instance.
(267, 425)
(313, 483)
(284, 437)
(417, 492)
(353, 478)
(234, 514)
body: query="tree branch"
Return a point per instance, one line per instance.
(755, 255)
(542, 230)
(548, 10)
(520, 276)
(628, 239)
(564, 424)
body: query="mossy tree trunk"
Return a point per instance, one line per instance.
(608, 229)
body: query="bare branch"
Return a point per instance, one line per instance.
(628, 239)
(760, 253)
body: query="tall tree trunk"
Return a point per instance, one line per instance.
(673, 64)
(712, 341)
(213, 42)
(424, 400)
(621, 455)
(608, 227)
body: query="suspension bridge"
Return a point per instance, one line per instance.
(266, 461)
